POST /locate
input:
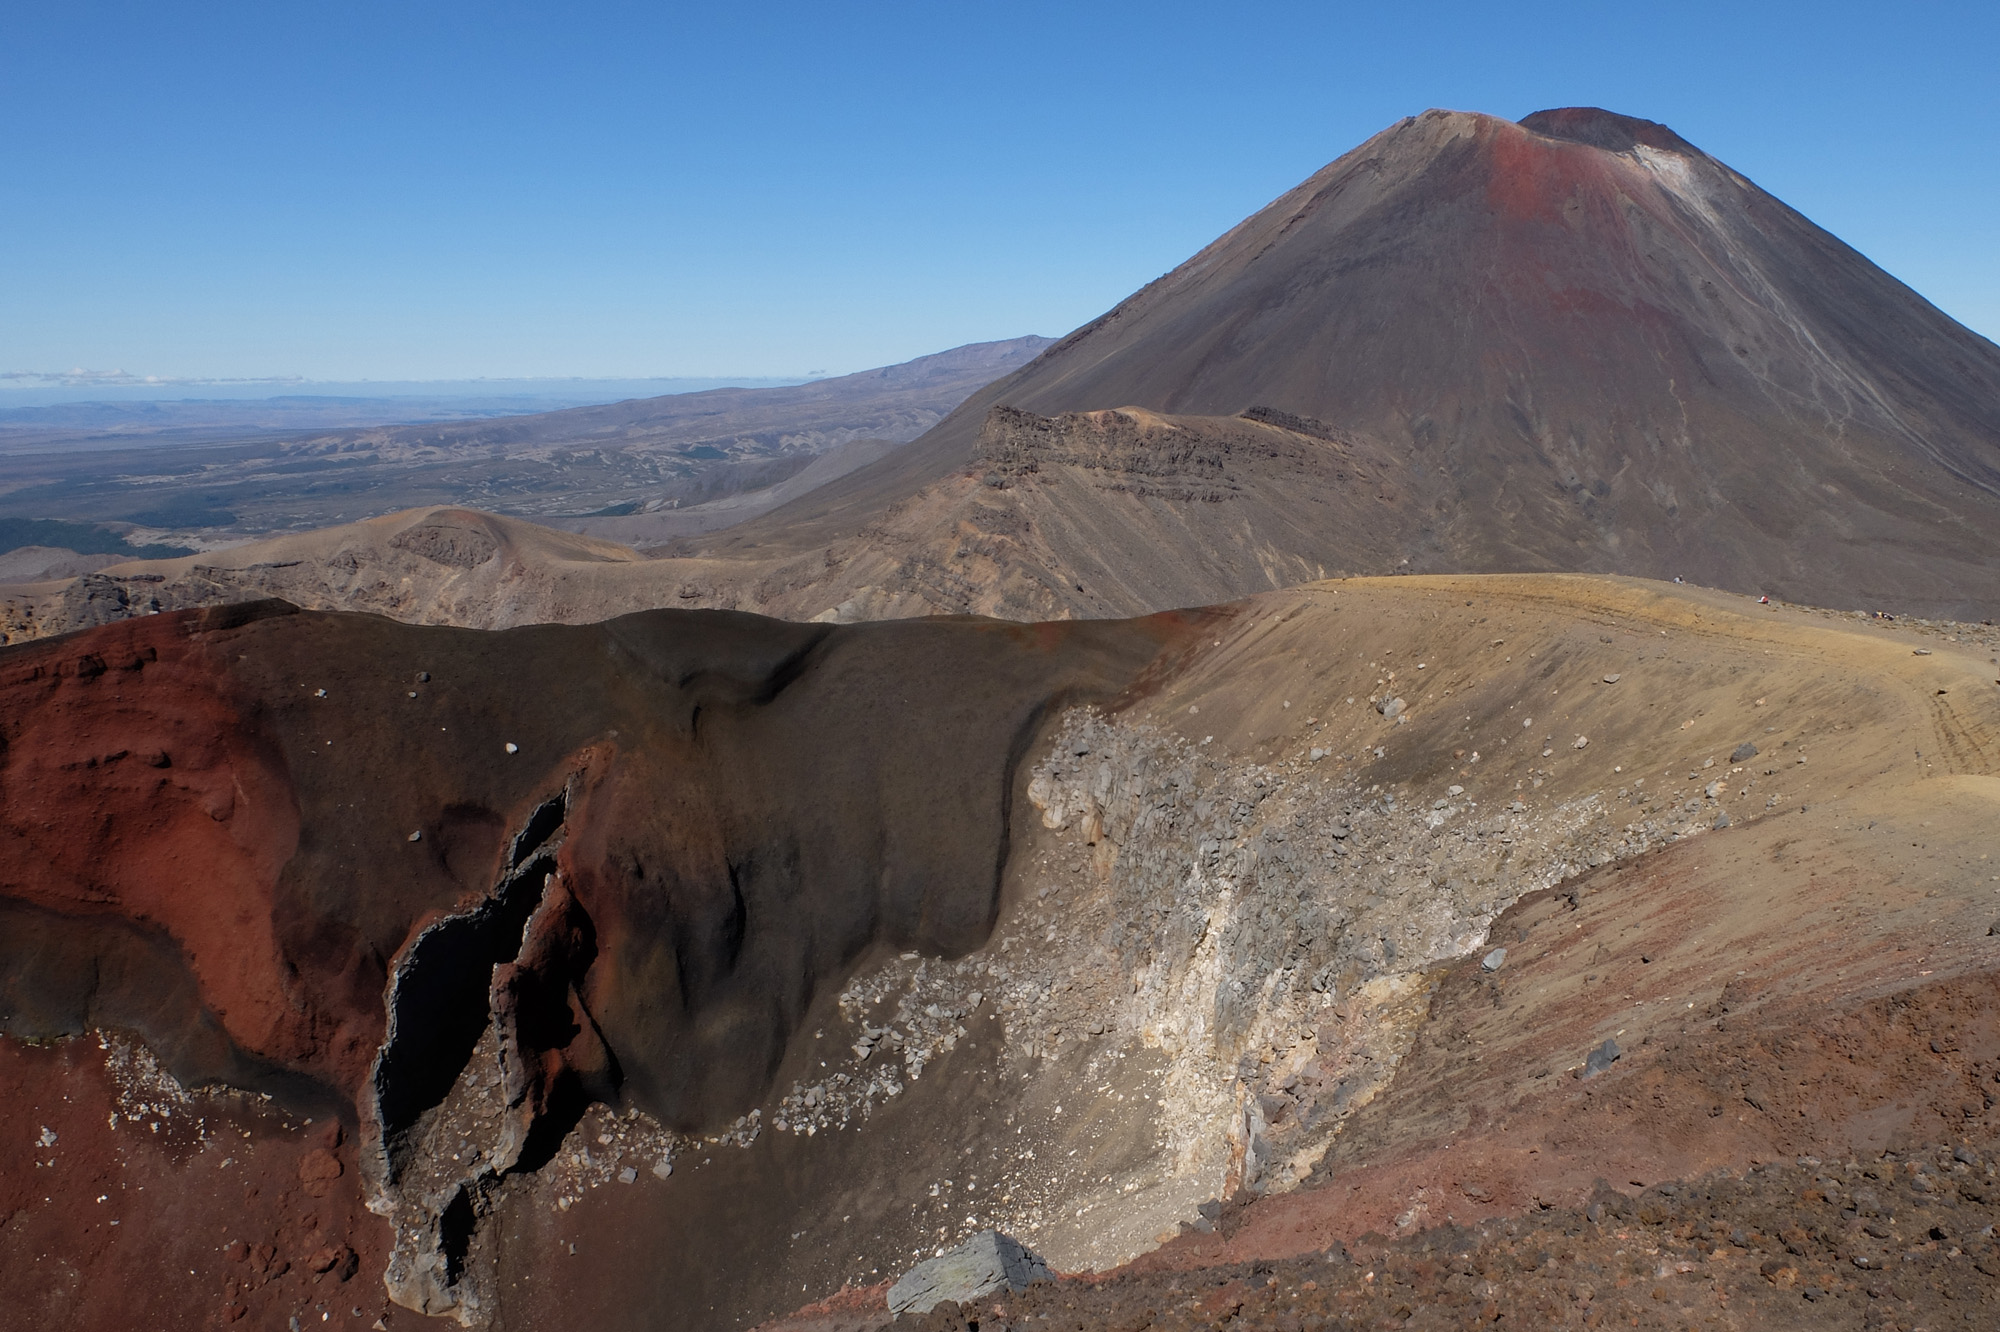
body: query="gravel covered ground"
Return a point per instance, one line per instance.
(1904, 1241)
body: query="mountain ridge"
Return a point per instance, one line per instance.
(1545, 369)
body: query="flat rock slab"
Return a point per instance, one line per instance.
(987, 1262)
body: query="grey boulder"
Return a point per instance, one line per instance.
(987, 1262)
(1602, 1058)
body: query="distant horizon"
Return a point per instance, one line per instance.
(27, 381)
(540, 387)
(26, 388)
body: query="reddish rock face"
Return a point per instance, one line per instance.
(283, 800)
(133, 791)
(130, 1205)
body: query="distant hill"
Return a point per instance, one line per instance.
(892, 402)
(637, 456)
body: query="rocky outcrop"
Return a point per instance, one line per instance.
(472, 885)
(988, 1262)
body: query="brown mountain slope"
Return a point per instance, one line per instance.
(1092, 512)
(1590, 345)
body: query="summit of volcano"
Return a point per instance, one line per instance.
(1576, 342)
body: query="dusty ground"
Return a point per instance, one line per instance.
(126, 1202)
(1901, 1240)
(1816, 979)
(1812, 978)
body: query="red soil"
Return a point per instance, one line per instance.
(223, 1212)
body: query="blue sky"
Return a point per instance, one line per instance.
(445, 191)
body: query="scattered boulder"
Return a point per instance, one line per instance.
(337, 1259)
(1391, 708)
(987, 1262)
(1494, 960)
(1611, 679)
(1746, 750)
(318, 1171)
(1602, 1058)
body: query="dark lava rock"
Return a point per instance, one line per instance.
(1602, 1058)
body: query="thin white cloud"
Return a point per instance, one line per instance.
(82, 378)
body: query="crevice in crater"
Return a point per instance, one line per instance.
(456, 1227)
(491, 1058)
(438, 993)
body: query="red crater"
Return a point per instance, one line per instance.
(135, 786)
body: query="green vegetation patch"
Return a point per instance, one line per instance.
(83, 538)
